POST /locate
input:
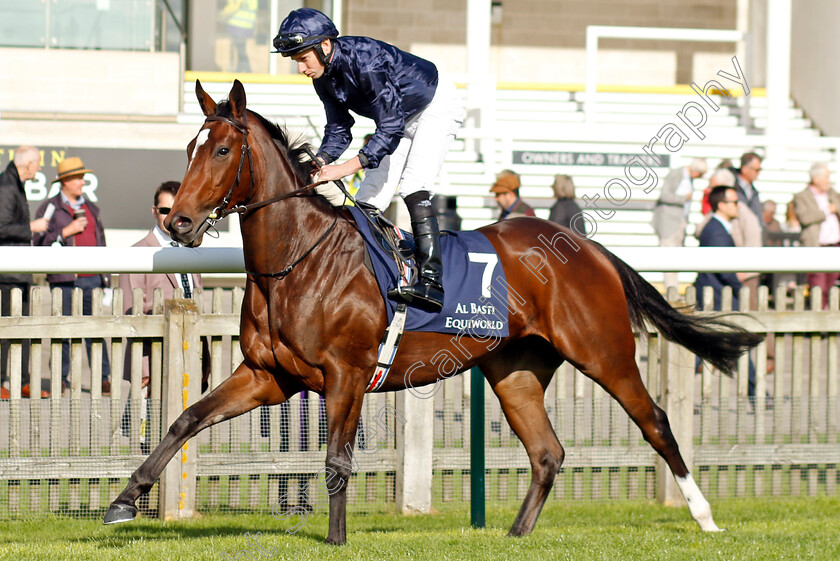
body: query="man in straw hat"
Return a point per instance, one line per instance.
(506, 191)
(74, 221)
(16, 229)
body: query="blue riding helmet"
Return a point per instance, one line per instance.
(304, 29)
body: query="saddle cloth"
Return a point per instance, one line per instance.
(474, 284)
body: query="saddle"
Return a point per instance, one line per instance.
(393, 241)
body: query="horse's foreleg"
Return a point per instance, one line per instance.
(242, 392)
(343, 411)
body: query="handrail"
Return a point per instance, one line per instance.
(231, 259)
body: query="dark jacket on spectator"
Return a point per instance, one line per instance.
(14, 218)
(714, 234)
(63, 217)
(562, 213)
(753, 201)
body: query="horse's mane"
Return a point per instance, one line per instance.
(295, 150)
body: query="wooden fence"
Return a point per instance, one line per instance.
(72, 453)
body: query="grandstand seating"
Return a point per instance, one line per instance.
(553, 120)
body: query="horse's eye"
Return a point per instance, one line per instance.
(223, 151)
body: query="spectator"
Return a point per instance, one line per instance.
(817, 212)
(188, 283)
(416, 113)
(565, 208)
(74, 221)
(506, 191)
(721, 176)
(791, 222)
(746, 230)
(749, 230)
(790, 226)
(670, 216)
(718, 233)
(771, 225)
(745, 178)
(16, 229)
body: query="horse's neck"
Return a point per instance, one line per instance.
(278, 233)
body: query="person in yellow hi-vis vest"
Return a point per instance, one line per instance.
(241, 18)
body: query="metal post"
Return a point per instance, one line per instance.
(477, 518)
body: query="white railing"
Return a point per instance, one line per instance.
(596, 32)
(230, 259)
(584, 136)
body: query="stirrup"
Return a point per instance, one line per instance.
(427, 296)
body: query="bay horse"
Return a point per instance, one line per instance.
(313, 316)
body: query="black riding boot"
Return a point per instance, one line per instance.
(427, 293)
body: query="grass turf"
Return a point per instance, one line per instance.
(800, 528)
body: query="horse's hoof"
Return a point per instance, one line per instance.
(120, 513)
(332, 541)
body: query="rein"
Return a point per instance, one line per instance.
(221, 211)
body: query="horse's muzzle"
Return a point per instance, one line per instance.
(182, 229)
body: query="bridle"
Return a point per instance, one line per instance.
(222, 210)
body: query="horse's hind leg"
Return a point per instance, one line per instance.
(240, 393)
(619, 375)
(521, 393)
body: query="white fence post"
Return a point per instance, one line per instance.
(181, 388)
(415, 439)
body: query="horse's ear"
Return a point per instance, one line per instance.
(208, 106)
(237, 99)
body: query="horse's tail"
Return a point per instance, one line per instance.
(710, 337)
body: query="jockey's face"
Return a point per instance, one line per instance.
(309, 63)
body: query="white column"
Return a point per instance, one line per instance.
(335, 9)
(415, 442)
(480, 87)
(676, 372)
(591, 73)
(756, 26)
(778, 71)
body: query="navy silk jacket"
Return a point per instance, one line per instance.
(374, 80)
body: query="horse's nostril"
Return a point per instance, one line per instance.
(180, 224)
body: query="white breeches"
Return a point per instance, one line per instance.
(415, 164)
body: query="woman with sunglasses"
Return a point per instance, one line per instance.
(416, 115)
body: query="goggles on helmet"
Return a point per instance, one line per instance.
(292, 41)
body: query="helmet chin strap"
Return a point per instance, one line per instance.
(323, 57)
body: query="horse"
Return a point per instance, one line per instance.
(313, 316)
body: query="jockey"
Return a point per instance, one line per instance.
(416, 118)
